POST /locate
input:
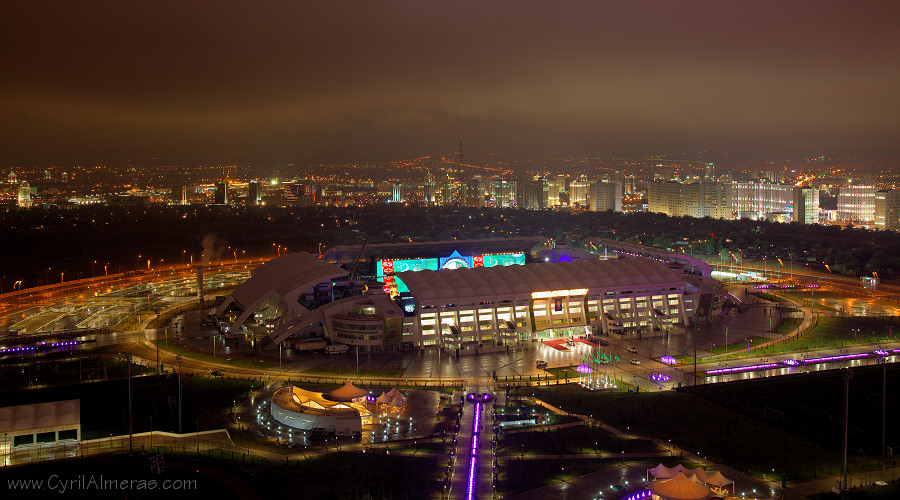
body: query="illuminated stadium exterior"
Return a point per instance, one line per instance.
(558, 293)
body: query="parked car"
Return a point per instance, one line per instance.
(337, 349)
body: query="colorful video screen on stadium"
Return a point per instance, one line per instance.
(386, 268)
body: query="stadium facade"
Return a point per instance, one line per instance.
(450, 301)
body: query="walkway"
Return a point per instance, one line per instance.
(480, 486)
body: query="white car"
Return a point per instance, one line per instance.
(541, 364)
(635, 361)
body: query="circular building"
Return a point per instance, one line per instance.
(344, 414)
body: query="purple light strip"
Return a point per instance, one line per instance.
(473, 452)
(742, 368)
(43, 345)
(836, 358)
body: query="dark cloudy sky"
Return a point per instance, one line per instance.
(86, 81)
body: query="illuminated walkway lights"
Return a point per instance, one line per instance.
(473, 452)
(742, 368)
(638, 495)
(836, 358)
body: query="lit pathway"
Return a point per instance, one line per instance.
(482, 483)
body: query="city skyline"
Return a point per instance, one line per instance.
(107, 83)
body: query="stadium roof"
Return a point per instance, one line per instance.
(347, 253)
(457, 286)
(283, 275)
(40, 416)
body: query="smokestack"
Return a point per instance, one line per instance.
(200, 282)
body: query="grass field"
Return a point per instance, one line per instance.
(721, 434)
(574, 440)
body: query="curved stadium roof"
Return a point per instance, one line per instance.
(282, 275)
(455, 286)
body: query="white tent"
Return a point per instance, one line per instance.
(661, 472)
(718, 479)
(679, 488)
(348, 392)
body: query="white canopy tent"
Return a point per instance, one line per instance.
(679, 487)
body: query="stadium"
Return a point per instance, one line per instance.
(472, 293)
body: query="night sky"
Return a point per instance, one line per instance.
(222, 80)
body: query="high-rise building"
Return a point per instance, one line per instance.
(856, 204)
(475, 192)
(534, 193)
(221, 197)
(698, 199)
(887, 210)
(757, 199)
(24, 198)
(503, 192)
(11, 178)
(806, 205)
(709, 171)
(431, 189)
(398, 194)
(578, 191)
(254, 193)
(606, 196)
(179, 194)
(555, 186)
(776, 176)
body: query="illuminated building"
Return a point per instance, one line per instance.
(24, 198)
(503, 193)
(606, 196)
(52, 423)
(887, 210)
(555, 186)
(757, 199)
(698, 199)
(179, 195)
(806, 205)
(579, 189)
(221, 195)
(856, 204)
(342, 411)
(254, 195)
(534, 193)
(502, 305)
